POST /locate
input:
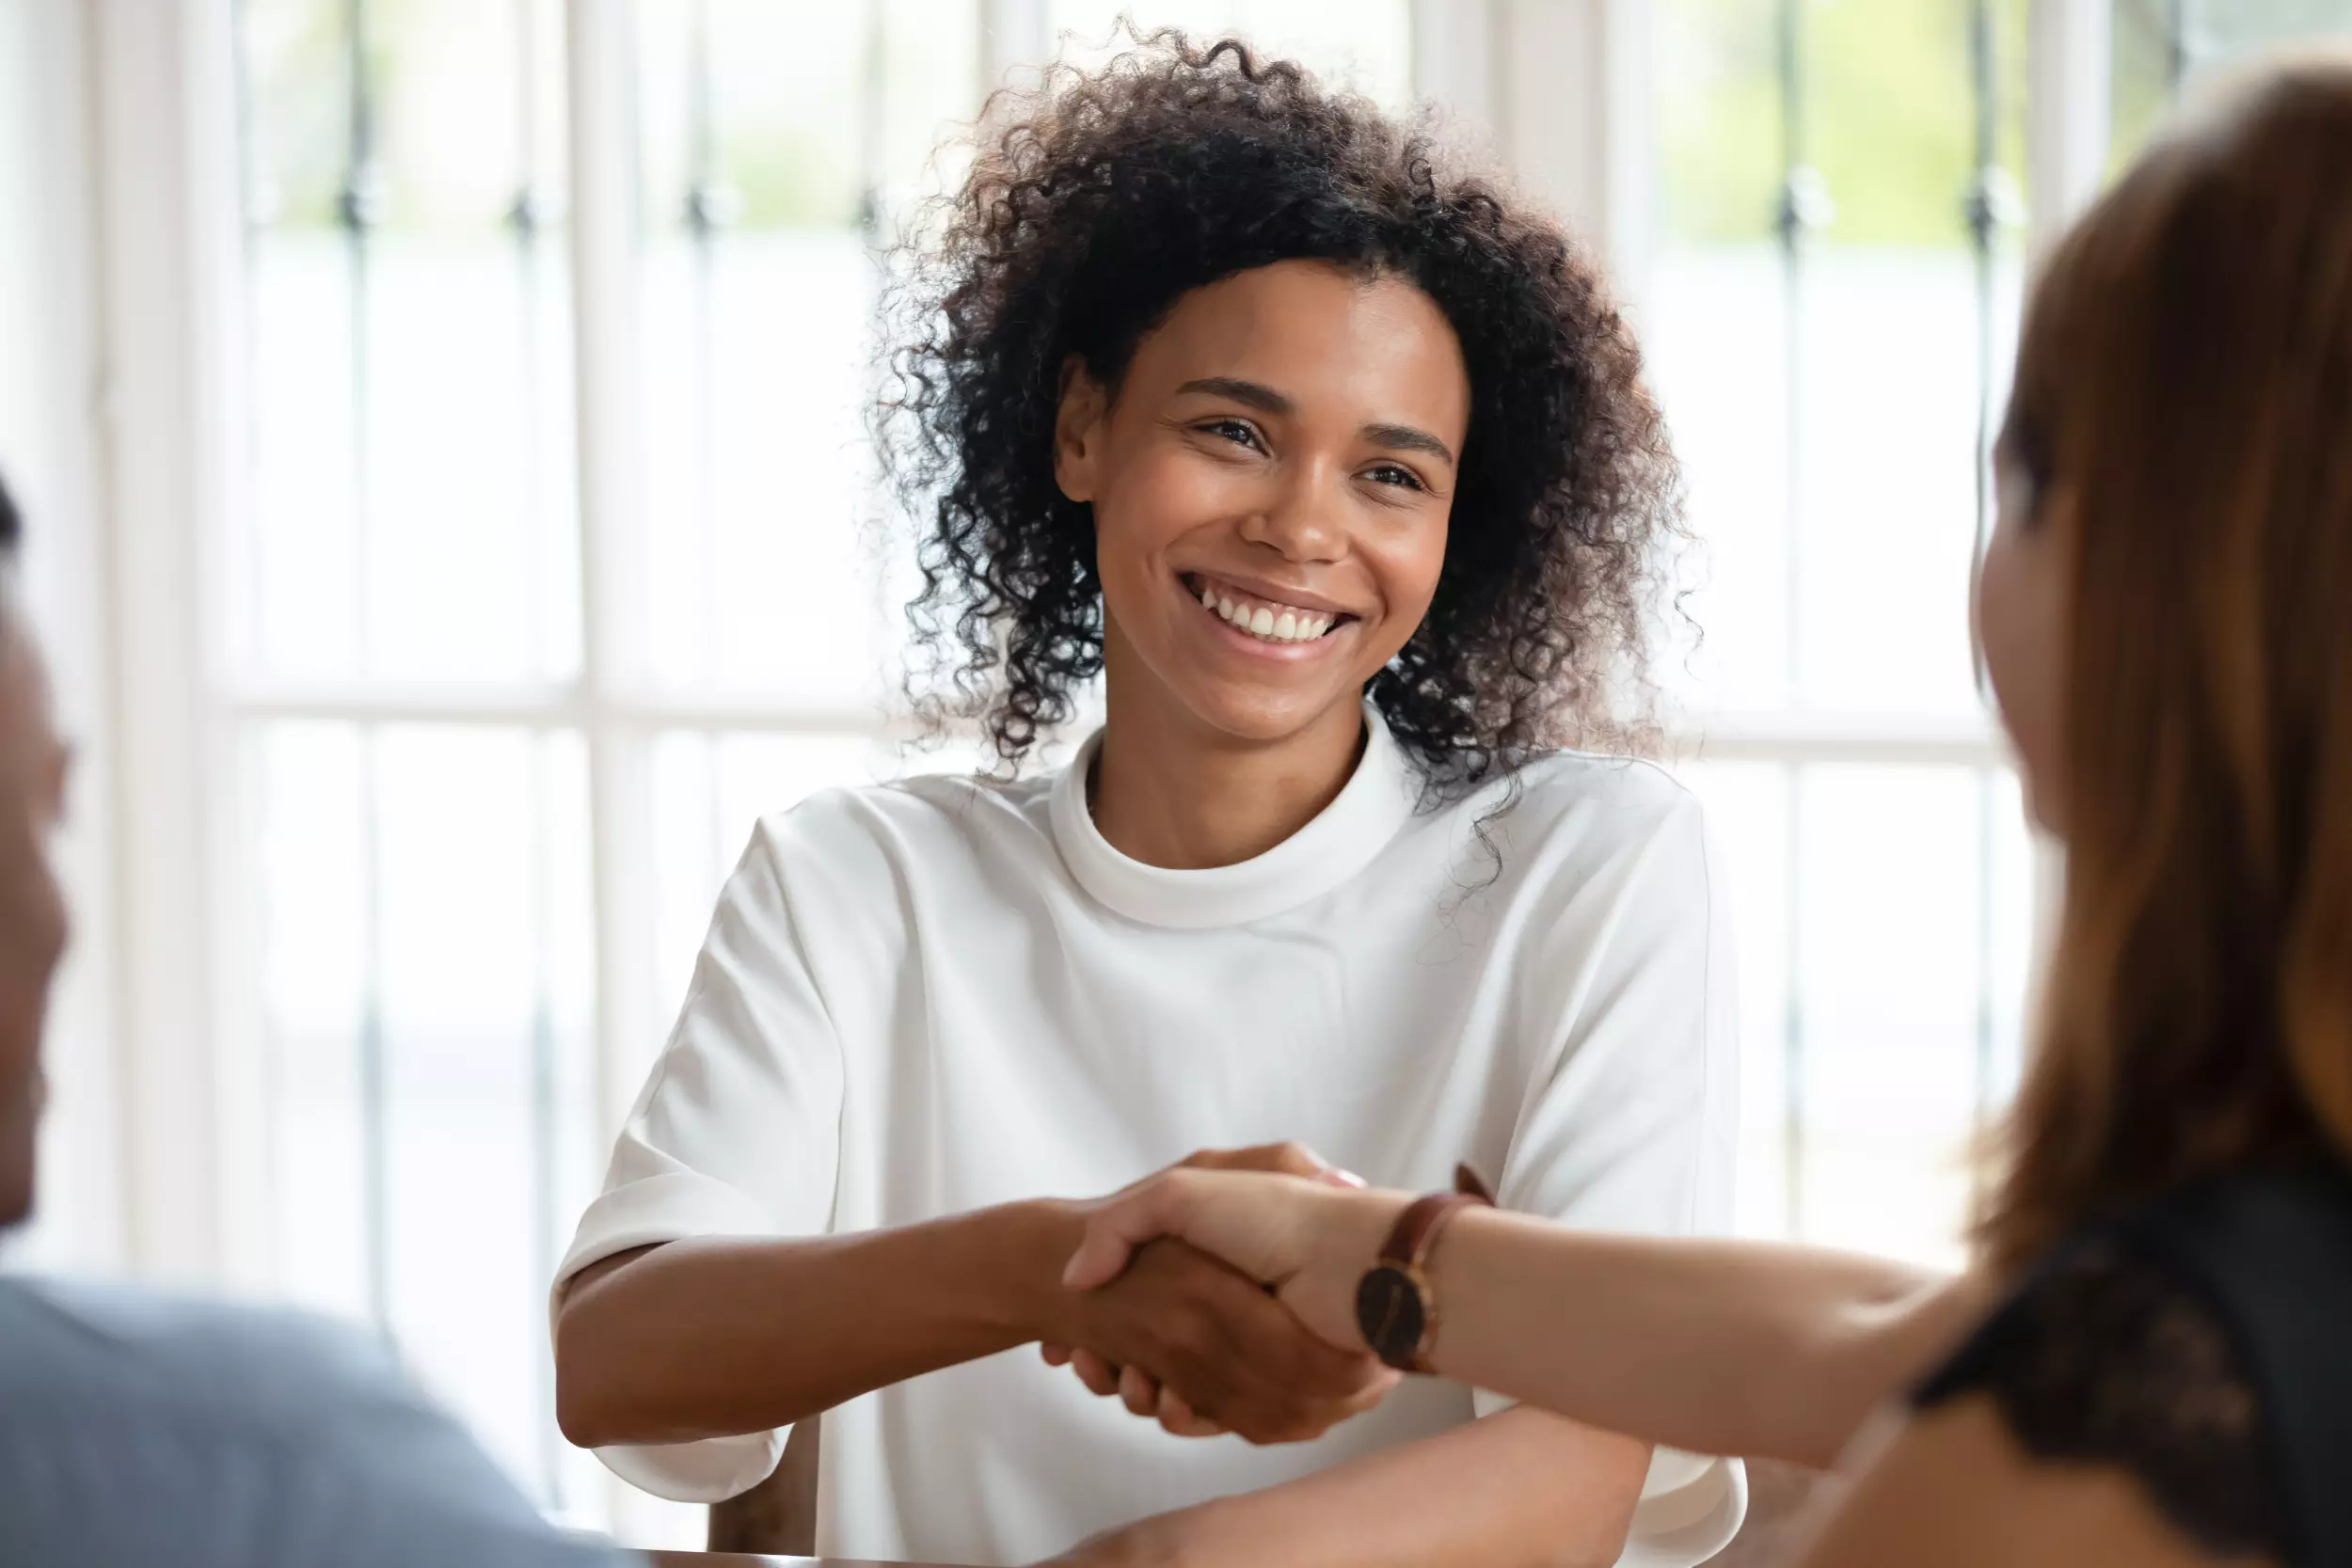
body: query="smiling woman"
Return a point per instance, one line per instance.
(1083, 233)
(1336, 468)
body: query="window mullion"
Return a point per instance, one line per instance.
(2069, 57)
(1013, 34)
(599, 62)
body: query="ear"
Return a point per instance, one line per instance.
(1078, 430)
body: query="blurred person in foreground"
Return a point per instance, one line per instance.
(137, 1428)
(2150, 1362)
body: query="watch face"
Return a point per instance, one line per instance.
(1389, 1312)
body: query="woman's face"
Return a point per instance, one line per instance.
(2021, 618)
(1270, 491)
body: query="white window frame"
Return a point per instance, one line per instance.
(1553, 84)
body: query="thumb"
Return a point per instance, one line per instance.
(1122, 1225)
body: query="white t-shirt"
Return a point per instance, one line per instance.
(923, 998)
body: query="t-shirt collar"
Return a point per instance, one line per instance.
(1340, 841)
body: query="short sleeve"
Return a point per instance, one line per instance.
(1630, 1116)
(736, 1132)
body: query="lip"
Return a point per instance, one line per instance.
(1241, 642)
(1259, 588)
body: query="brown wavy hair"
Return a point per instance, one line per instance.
(1097, 200)
(2187, 375)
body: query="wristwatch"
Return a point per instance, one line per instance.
(1396, 1308)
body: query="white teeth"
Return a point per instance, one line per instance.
(1288, 626)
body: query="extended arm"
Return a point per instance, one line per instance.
(1716, 1347)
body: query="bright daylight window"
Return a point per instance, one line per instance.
(460, 670)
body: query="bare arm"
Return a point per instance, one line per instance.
(1519, 1489)
(718, 1336)
(1716, 1347)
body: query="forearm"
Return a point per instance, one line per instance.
(1521, 1489)
(715, 1336)
(1718, 1347)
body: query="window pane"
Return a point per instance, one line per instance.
(1865, 364)
(1365, 43)
(1714, 324)
(1906, 934)
(2160, 44)
(781, 143)
(412, 517)
(429, 1057)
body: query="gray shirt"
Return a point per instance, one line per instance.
(139, 1429)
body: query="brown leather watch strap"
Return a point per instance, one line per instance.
(1397, 1305)
(1416, 1228)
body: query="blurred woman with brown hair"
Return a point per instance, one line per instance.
(2151, 1362)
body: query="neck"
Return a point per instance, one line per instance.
(1171, 791)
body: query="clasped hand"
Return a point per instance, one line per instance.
(1218, 1296)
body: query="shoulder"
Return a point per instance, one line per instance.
(1629, 799)
(1593, 834)
(911, 823)
(240, 1365)
(1953, 1488)
(1593, 809)
(102, 1358)
(2112, 1355)
(200, 1408)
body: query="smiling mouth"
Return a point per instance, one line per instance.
(1267, 620)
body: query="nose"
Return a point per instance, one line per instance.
(1300, 519)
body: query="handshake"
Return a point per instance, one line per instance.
(1218, 1296)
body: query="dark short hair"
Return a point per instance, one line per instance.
(1088, 211)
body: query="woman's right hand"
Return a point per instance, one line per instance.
(1109, 1374)
(1308, 1240)
(1223, 1353)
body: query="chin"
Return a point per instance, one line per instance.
(1261, 718)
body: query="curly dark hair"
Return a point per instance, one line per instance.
(1099, 201)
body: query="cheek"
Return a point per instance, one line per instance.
(1407, 568)
(2017, 617)
(1158, 496)
(1144, 507)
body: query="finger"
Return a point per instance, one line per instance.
(1283, 1159)
(1118, 1227)
(1257, 1370)
(1140, 1391)
(1374, 1391)
(1178, 1419)
(1099, 1375)
(1055, 1356)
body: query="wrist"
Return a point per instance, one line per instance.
(1348, 1230)
(1026, 1247)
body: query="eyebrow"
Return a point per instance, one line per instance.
(1404, 438)
(1253, 394)
(1265, 400)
